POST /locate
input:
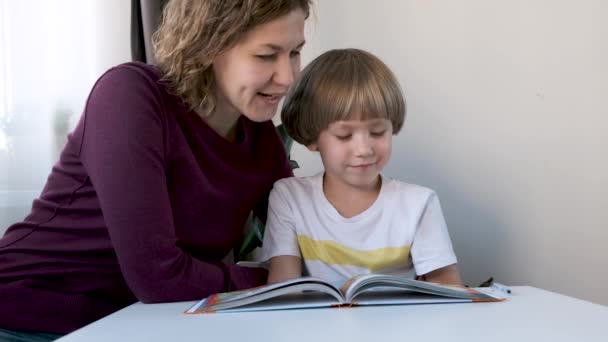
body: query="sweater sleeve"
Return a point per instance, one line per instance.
(123, 150)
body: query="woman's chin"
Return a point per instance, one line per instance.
(261, 115)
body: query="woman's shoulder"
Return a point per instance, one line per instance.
(133, 72)
(134, 88)
(149, 70)
(132, 83)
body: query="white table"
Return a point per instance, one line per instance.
(530, 314)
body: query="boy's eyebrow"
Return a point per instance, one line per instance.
(280, 48)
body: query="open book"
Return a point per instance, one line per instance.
(370, 289)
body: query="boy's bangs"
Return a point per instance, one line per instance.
(359, 98)
(369, 102)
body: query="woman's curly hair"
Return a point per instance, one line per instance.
(193, 33)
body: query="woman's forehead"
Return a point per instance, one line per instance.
(283, 33)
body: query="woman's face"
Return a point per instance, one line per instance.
(254, 75)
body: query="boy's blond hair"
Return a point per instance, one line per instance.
(194, 32)
(337, 85)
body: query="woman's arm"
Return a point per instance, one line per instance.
(284, 267)
(444, 275)
(123, 135)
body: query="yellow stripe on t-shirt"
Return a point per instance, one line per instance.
(333, 253)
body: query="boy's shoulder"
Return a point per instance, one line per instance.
(406, 190)
(297, 183)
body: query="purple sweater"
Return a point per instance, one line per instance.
(143, 204)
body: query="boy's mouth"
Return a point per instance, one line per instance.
(363, 165)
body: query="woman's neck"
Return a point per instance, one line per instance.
(225, 124)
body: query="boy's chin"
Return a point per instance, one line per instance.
(363, 182)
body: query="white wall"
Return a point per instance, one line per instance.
(51, 52)
(506, 120)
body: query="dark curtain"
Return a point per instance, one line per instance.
(145, 17)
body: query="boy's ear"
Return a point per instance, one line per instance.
(312, 147)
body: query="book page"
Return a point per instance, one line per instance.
(300, 300)
(227, 300)
(363, 283)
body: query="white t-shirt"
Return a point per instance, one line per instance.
(402, 233)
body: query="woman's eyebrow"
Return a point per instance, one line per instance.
(279, 48)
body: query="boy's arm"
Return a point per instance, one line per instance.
(284, 267)
(445, 275)
(280, 245)
(432, 252)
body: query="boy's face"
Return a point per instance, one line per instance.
(354, 152)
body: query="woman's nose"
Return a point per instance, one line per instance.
(284, 73)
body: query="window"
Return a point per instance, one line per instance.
(51, 53)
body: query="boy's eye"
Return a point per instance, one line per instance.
(295, 54)
(343, 137)
(378, 133)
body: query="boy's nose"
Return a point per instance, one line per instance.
(363, 147)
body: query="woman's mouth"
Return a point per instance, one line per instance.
(270, 98)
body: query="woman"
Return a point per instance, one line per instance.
(155, 183)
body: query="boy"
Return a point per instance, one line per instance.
(350, 219)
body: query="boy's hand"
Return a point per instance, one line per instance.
(284, 267)
(444, 275)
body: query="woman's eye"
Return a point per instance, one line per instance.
(378, 133)
(295, 54)
(267, 57)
